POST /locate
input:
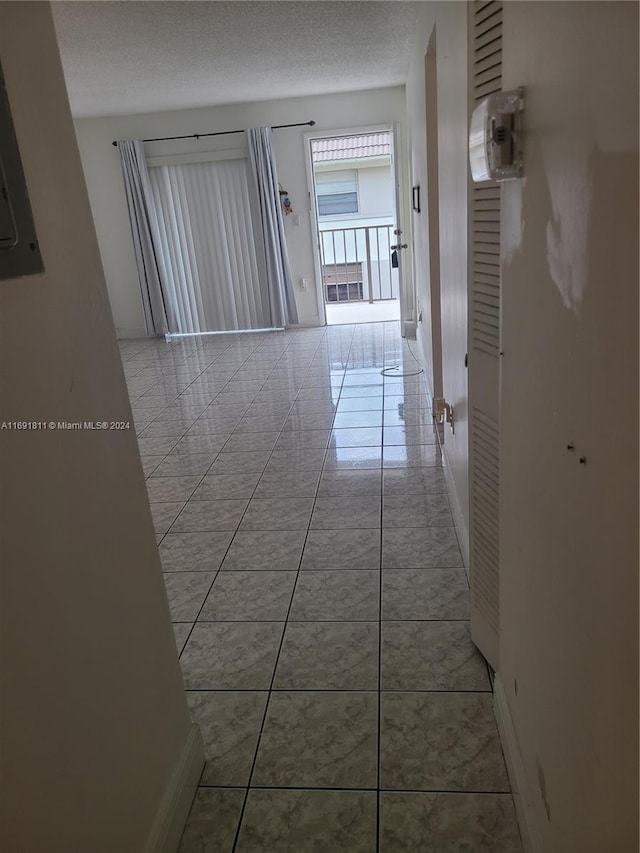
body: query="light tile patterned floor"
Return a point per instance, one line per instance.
(319, 599)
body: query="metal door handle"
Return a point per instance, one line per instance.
(400, 246)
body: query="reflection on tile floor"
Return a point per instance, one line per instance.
(320, 602)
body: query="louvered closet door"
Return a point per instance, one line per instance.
(485, 77)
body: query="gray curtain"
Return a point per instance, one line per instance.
(279, 281)
(143, 226)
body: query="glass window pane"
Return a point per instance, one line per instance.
(337, 203)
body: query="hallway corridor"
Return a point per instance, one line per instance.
(318, 594)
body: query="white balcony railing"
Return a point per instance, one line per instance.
(356, 264)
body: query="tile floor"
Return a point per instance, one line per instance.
(362, 312)
(318, 594)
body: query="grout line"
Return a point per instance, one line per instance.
(277, 659)
(379, 755)
(394, 690)
(453, 791)
(217, 571)
(234, 532)
(331, 621)
(355, 345)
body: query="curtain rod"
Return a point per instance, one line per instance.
(221, 132)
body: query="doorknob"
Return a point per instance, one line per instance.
(400, 246)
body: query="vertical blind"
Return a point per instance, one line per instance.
(211, 263)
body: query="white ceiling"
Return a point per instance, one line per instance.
(130, 57)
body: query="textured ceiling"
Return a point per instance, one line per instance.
(129, 57)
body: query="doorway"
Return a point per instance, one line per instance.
(354, 210)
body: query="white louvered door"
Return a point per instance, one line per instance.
(485, 77)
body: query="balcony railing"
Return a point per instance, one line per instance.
(356, 264)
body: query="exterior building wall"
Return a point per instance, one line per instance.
(345, 241)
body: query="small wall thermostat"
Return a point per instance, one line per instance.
(495, 137)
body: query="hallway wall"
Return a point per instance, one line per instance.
(94, 719)
(450, 21)
(569, 549)
(101, 164)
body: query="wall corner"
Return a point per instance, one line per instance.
(172, 815)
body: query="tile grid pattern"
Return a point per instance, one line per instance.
(271, 688)
(330, 663)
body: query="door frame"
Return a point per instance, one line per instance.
(433, 212)
(404, 296)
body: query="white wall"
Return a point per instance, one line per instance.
(94, 718)
(375, 200)
(569, 531)
(375, 191)
(102, 169)
(449, 19)
(417, 124)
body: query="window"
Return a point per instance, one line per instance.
(342, 282)
(337, 192)
(345, 292)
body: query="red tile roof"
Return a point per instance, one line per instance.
(351, 147)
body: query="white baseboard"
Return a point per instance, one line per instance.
(456, 511)
(525, 811)
(315, 324)
(134, 332)
(173, 812)
(458, 518)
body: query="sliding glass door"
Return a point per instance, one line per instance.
(211, 259)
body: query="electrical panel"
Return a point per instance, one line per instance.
(19, 250)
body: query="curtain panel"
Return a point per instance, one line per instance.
(209, 241)
(278, 281)
(143, 221)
